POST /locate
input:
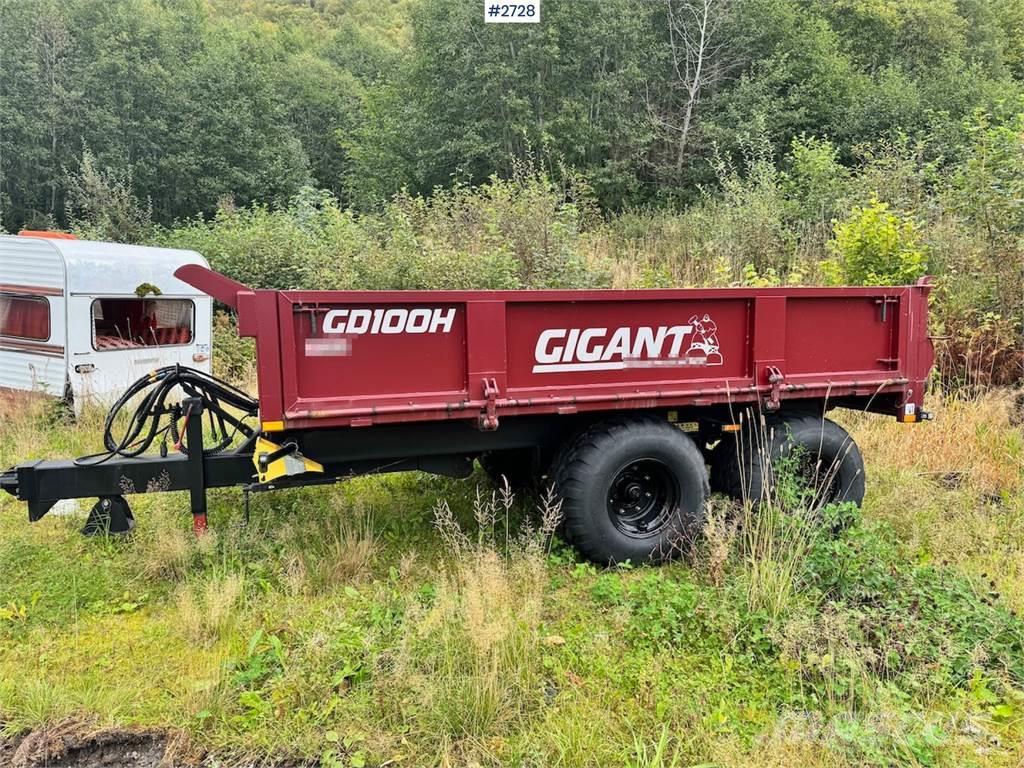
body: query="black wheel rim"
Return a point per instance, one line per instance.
(820, 480)
(642, 498)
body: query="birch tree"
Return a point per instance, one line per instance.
(695, 47)
(52, 41)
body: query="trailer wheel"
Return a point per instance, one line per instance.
(517, 466)
(828, 460)
(631, 489)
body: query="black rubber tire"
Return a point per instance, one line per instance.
(517, 466)
(834, 458)
(594, 463)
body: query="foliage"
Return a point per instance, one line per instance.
(101, 205)
(203, 100)
(874, 246)
(515, 233)
(917, 626)
(235, 357)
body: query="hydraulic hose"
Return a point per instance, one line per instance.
(146, 423)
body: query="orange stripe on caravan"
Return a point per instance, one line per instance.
(34, 347)
(46, 234)
(37, 290)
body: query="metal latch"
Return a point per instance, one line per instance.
(884, 302)
(489, 418)
(775, 378)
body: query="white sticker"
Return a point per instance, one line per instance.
(909, 409)
(508, 12)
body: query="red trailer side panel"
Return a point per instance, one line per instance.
(838, 335)
(617, 345)
(355, 358)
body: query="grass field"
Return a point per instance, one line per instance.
(409, 620)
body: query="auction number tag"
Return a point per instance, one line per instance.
(508, 12)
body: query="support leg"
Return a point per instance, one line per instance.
(193, 408)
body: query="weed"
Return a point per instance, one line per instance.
(163, 546)
(206, 612)
(331, 550)
(469, 663)
(661, 755)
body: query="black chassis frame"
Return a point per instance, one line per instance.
(444, 448)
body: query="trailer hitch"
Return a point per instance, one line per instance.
(9, 481)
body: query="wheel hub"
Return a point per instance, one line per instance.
(642, 497)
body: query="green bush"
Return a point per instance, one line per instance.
(922, 627)
(233, 357)
(875, 246)
(523, 232)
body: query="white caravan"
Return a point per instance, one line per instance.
(82, 320)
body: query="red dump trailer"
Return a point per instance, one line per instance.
(629, 403)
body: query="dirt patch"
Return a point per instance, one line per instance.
(1017, 409)
(77, 744)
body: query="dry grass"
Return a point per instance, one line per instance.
(207, 611)
(773, 546)
(718, 545)
(772, 534)
(468, 669)
(329, 551)
(971, 443)
(350, 548)
(162, 544)
(795, 741)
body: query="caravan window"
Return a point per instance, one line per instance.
(134, 323)
(24, 317)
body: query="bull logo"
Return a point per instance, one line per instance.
(704, 342)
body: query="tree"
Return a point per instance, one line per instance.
(102, 205)
(471, 99)
(695, 47)
(51, 41)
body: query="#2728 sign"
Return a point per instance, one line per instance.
(510, 12)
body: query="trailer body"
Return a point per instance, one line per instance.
(364, 358)
(583, 390)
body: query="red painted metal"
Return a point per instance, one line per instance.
(357, 358)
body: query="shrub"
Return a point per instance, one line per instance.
(919, 626)
(233, 357)
(102, 205)
(875, 246)
(522, 232)
(816, 180)
(750, 222)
